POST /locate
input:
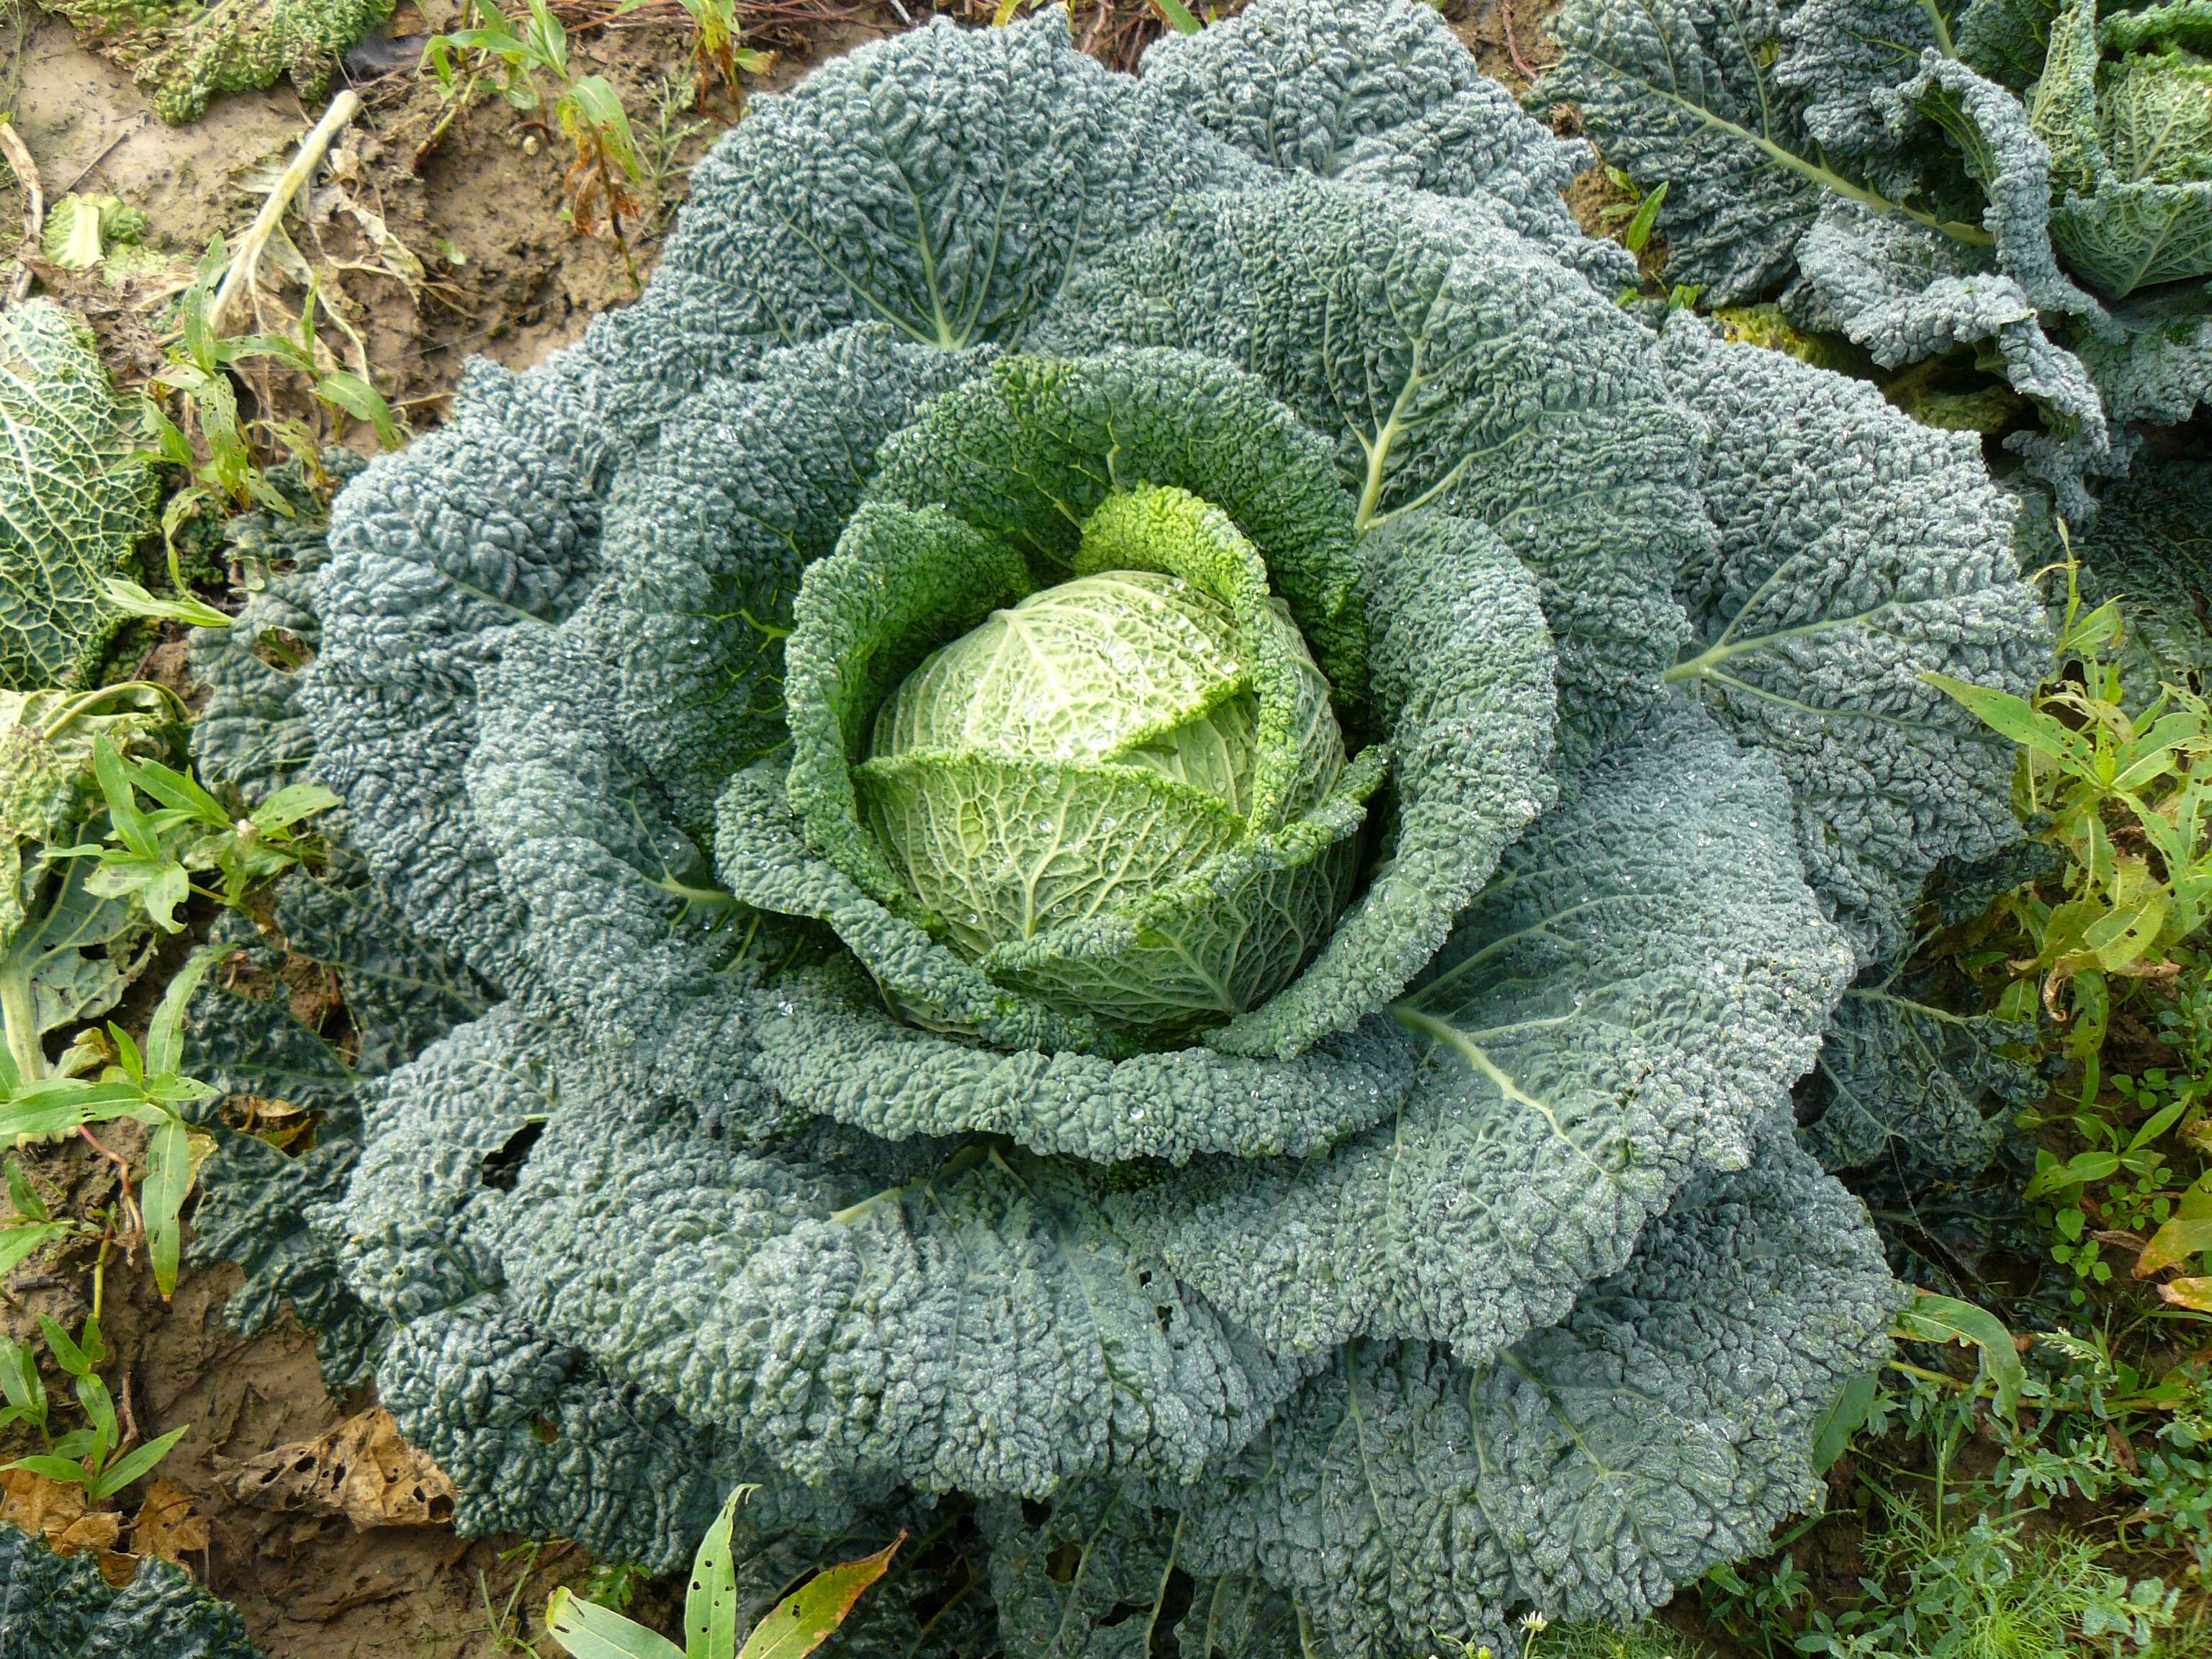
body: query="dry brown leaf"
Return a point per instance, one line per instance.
(36, 1503)
(56, 1509)
(166, 1526)
(95, 1530)
(361, 1469)
(259, 1108)
(279, 1123)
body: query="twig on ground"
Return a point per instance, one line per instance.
(105, 150)
(34, 207)
(130, 1212)
(239, 277)
(1512, 45)
(123, 1398)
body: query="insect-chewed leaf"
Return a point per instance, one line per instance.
(807, 1617)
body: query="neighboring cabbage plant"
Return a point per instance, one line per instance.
(1157, 818)
(2125, 109)
(2004, 185)
(184, 52)
(67, 953)
(75, 497)
(61, 1607)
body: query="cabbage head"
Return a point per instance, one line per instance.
(2125, 109)
(1119, 793)
(1153, 819)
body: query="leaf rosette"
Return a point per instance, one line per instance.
(1513, 729)
(1124, 795)
(2020, 177)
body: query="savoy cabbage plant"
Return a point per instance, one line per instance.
(60, 1606)
(1139, 816)
(2024, 183)
(76, 498)
(182, 52)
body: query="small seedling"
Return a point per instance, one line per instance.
(604, 167)
(87, 1458)
(1640, 211)
(151, 857)
(717, 50)
(35, 1225)
(146, 1086)
(794, 1627)
(212, 442)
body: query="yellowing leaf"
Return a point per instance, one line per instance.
(2118, 939)
(2174, 1244)
(803, 1620)
(2016, 718)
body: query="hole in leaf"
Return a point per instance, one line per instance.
(500, 1171)
(1812, 1097)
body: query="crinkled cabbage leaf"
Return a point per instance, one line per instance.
(1472, 1270)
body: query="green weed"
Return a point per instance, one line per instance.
(145, 1086)
(794, 1627)
(93, 1457)
(717, 48)
(151, 857)
(221, 454)
(603, 168)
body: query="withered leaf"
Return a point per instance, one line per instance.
(361, 1469)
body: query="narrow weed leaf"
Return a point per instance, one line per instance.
(165, 1035)
(24, 1196)
(1647, 215)
(134, 1465)
(168, 1174)
(64, 1347)
(590, 1631)
(1844, 1419)
(710, 1606)
(19, 1244)
(805, 1619)
(1933, 1318)
(133, 600)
